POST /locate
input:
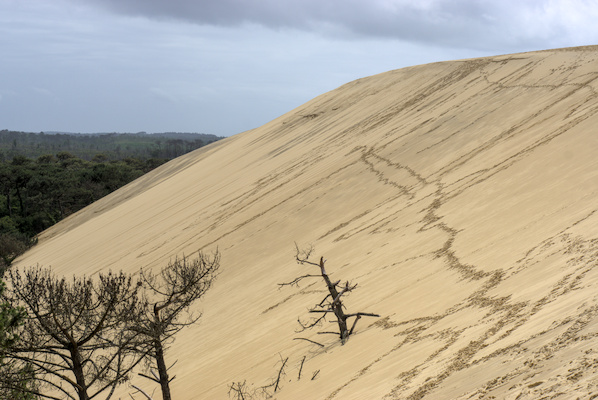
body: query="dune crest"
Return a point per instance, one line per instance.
(462, 198)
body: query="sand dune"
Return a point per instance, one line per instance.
(461, 196)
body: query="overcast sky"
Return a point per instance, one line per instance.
(226, 66)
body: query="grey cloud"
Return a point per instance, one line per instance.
(479, 24)
(191, 65)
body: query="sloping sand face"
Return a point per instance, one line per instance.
(461, 196)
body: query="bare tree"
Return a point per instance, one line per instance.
(242, 391)
(78, 336)
(332, 303)
(169, 295)
(276, 383)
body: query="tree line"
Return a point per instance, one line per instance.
(113, 146)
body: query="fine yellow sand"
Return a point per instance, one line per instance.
(461, 196)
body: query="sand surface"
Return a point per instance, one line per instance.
(461, 196)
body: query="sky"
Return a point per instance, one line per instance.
(227, 66)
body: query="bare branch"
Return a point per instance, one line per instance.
(149, 377)
(358, 317)
(301, 368)
(280, 374)
(240, 391)
(147, 396)
(295, 282)
(309, 340)
(316, 372)
(313, 323)
(363, 314)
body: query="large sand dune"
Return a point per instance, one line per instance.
(461, 196)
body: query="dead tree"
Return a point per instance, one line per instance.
(332, 303)
(240, 391)
(78, 336)
(168, 296)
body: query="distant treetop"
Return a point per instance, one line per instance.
(113, 146)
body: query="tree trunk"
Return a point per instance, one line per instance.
(337, 306)
(159, 352)
(78, 371)
(8, 204)
(162, 370)
(21, 204)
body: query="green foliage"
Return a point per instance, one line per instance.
(66, 172)
(16, 383)
(12, 245)
(35, 195)
(10, 319)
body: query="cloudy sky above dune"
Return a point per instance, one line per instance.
(225, 66)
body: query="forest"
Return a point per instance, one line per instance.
(112, 146)
(46, 177)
